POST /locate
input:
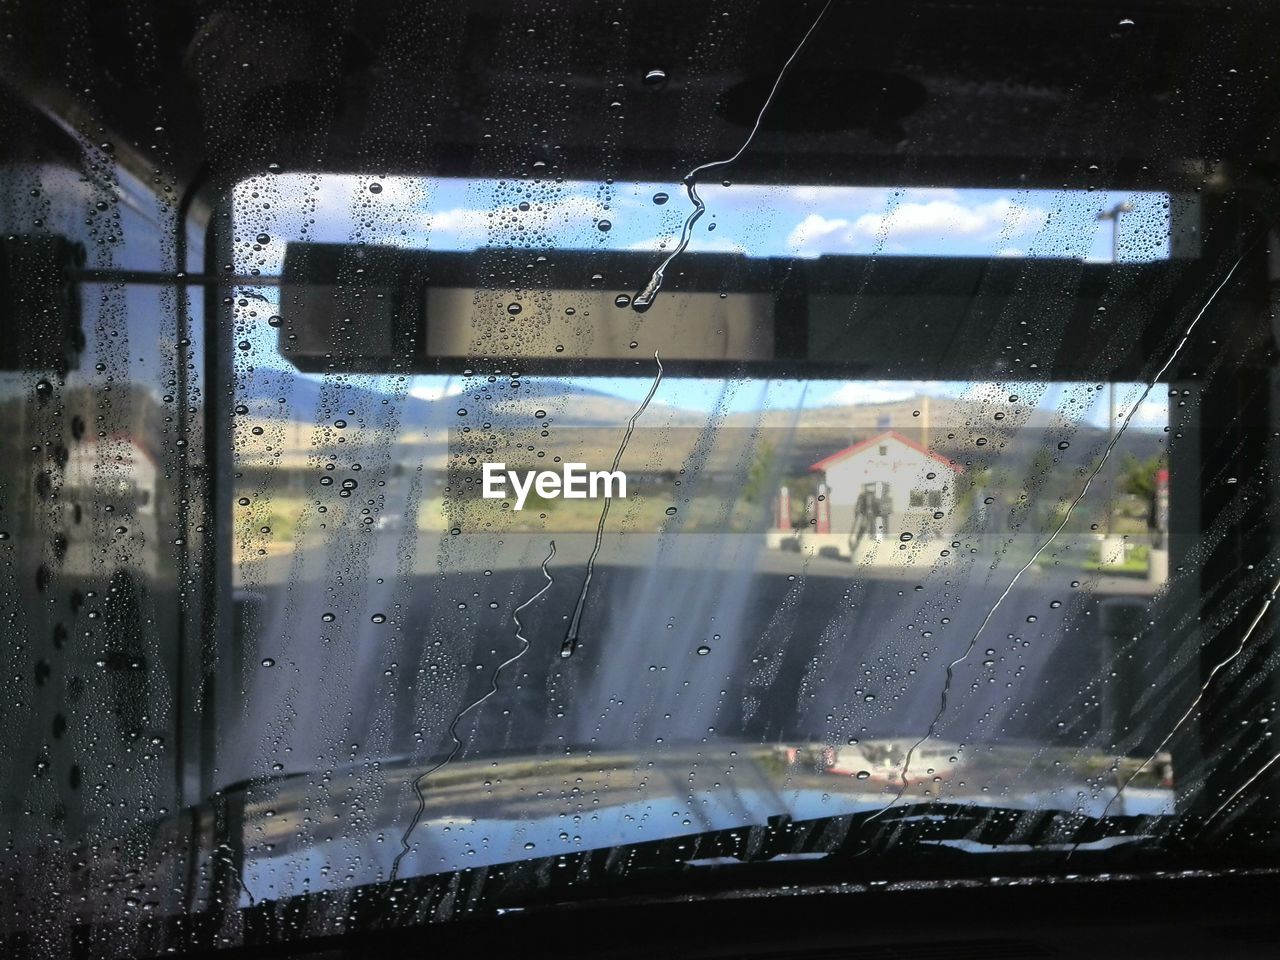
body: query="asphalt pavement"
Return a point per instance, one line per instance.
(372, 644)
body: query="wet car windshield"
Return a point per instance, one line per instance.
(466, 437)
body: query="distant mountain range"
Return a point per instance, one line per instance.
(587, 423)
(309, 397)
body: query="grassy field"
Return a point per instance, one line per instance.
(1136, 562)
(271, 519)
(1089, 560)
(640, 513)
(275, 520)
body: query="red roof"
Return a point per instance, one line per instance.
(894, 434)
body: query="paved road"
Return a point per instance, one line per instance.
(374, 642)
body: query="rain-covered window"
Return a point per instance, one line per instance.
(459, 450)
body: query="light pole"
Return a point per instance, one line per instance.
(1114, 214)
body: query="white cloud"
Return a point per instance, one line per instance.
(873, 391)
(293, 195)
(571, 215)
(948, 217)
(805, 194)
(699, 243)
(462, 223)
(935, 214)
(1152, 413)
(435, 388)
(811, 232)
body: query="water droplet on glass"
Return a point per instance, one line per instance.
(379, 618)
(703, 650)
(604, 226)
(1031, 618)
(671, 511)
(375, 188)
(863, 774)
(660, 198)
(621, 300)
(539, 414)
(1063, 445)
(655, 79)
(268, 662)
(514, 308)
(905, 537)
(328, 618)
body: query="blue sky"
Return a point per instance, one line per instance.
(753, 220)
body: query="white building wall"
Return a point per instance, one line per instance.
(902, 467)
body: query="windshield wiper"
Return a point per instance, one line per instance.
(923, 841)
(958, 826)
